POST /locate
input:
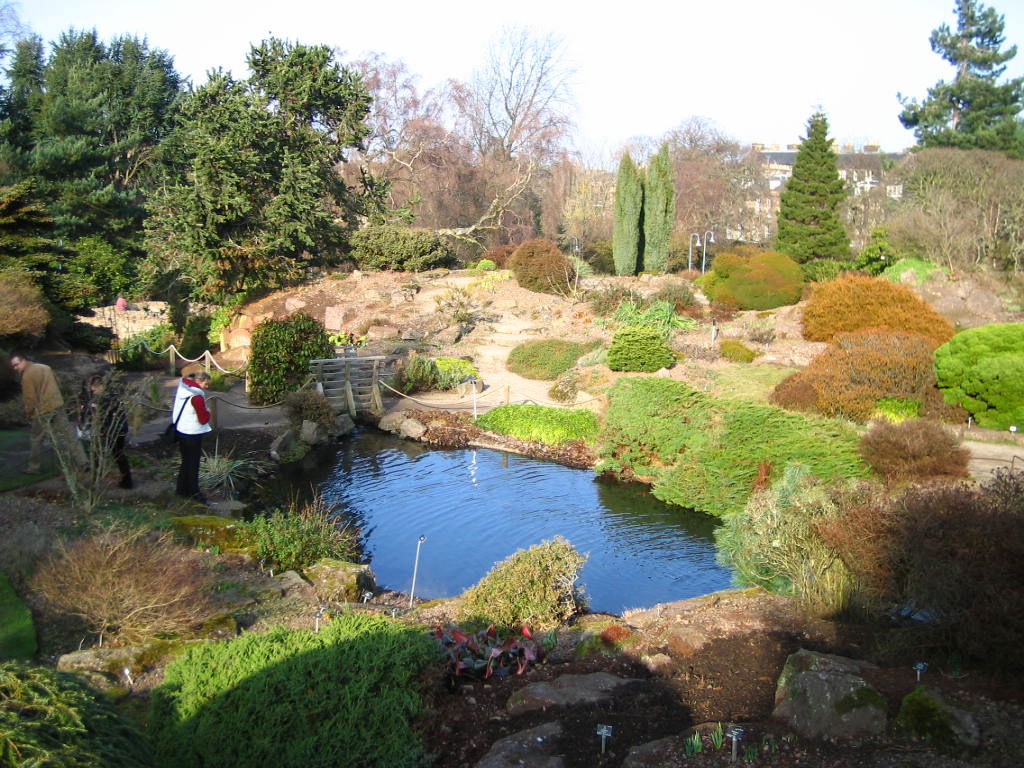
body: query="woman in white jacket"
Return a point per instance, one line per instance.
(192, 421)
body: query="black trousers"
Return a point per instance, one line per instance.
(188, 475)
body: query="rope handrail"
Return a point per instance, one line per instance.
(207, 355)
(221, 399)
(480, 397)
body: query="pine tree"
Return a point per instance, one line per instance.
(973, 111)
(627, 227)
(659, 211)
(809, 224)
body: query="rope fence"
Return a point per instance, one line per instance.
(174, 354)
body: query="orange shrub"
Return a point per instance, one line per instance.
(858, 370)
(854, 302)
(916, 449)
(539, 266)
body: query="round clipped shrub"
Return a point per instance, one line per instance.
(535, 587)
(755, 279)
(736, 351)
(637, 349)
(544, 359)
(280, 355)
(50, 718)
(915, 449)
(387, 246)
(982, 370)
(854, 301)
(539, 266)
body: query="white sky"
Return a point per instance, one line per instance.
(756, 70)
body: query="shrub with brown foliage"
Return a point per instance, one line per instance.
(126, 584)
(951, 556)
(854, 302)
(915, 449)
(539, 266)
(500, 255)
(24, 313)
(857, 371)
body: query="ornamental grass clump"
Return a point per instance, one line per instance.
(535, 587)
(346, 695)
(426, 374)
(544, 359)
(50, 718)
(299, 536)
(541, 423)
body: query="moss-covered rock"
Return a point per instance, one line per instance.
(338, 581)
(926, 716)
(209, 531)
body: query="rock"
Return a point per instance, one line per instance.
(925, 715)
(334, 318)
(411, 334)
(293, 585)
(467, 388)
(821, 696)
(657, 662)
(655, 754)
(312, 433)
(526, 749)
(381, 332)
(565, 691)
(391, 422)
(293, 304)
(412, 429)
(338, 581)
(685, 640)
(282, 445)
(240, 337)
(102, 667)
(233, 358)
(343, 424)
(448, 336)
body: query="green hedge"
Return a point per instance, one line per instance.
(295, 698)
(982, 370)
(541, 423)
(708, 454)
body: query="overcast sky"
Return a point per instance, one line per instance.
(756, 70)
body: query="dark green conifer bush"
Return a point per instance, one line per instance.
(387, 246)
(638, 348)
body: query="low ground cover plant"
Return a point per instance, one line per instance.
(17, 631)
(545, 359)
(736, 351)
(710, 454)
(126, 584)
(488, 653)
(535, 587)
(541, 423)
(854, 302)
(50, 718)
(982, 370)
(296, 698)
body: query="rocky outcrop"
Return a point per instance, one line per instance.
(822, 696)
(527, 749)
(564, 691)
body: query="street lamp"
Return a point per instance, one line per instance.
(709, 237)
(689, 264)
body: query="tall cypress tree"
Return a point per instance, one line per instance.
(809, 224)
(973, 111)
(659, 211)
(627, 227)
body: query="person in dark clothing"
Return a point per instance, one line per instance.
(191, 420)
(104, 414)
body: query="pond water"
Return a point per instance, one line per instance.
(476, 507)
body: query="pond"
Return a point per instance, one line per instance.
(477, 506)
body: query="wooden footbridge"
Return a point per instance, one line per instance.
(351, 383)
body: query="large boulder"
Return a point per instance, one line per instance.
(526, 749)
(821, 696)
(338, 581)
(926, 716)
(565, 691)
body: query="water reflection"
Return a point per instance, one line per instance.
(477, 506)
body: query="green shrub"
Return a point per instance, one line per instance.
(308, 405)
(295, 698)
(708, 454)
(917, 449)
(388, 246)
(544, 359)
(638, 348)
(736, 351)
(297, 537)
(541, 423)
(823, 270)
(487, 265)
(280, 355)
(897, 409)
(195, 338)
(922, 270)
(100, 272)
(147, 349)
(773, 543)
(535, 587)
(982, 370)
(539, 266)
(875, 257)
(17, 632)
(854, 302)
(858, 371)
(425, 374)
(50, 718)
(754, 280)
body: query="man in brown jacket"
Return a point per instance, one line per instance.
(44, 407)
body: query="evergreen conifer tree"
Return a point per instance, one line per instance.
(627, 226)
(973, 111)
(809, 224)
(659, 211)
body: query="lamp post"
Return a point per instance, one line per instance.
(709, 237)
(689, 264)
